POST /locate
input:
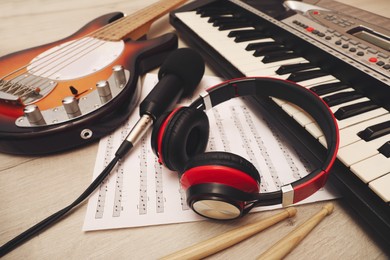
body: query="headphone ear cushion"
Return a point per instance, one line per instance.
(184, 135)
(223, 168)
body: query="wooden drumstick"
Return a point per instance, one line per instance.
(218, 243)
(291, 240)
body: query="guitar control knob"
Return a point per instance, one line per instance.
(103, 88)
(119, 75)
(34, 115)
(71, 106)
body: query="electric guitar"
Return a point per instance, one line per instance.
(73, 91)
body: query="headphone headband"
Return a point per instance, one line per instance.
(298, 95)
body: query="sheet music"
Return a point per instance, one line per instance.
(141, 192)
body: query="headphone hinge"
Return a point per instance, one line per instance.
(287, 195)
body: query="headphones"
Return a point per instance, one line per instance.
(222, 185)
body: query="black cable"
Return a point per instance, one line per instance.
(34, 230)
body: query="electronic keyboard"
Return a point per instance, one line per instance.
(343, 59)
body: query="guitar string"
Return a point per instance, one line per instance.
(98, 34)
(101, 31)
(49, 59)
(146, 11)
(78, 53)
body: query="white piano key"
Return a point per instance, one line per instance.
(316, 81)
(372, 168)
(360, 150)
(257, 67)
(291, 108)
(314, 130)
(336, 92)
(381, 187)
(303, 118)
(279, 101)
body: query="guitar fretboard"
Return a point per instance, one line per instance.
(136, 25)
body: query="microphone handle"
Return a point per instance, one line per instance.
(166, 93)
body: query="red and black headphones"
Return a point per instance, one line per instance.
(221, 185)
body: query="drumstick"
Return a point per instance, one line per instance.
(229, 238)
(291, 240)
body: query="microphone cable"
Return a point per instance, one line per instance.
(47, 222)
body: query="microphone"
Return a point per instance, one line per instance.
(178, 76)
(180, 73)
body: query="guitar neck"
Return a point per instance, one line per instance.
(136, 25)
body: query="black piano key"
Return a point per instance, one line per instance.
(218, 20)
(235, 25)
(385, 149)
(257, 45)
(262, 51)
(278, 56)
(375, 131)
(287, 69)
(207, 12)
(342, 97)
(329, 88)
(355, 109)
(247, 35)
(306, 75)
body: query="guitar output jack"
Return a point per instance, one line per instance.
(86, 134)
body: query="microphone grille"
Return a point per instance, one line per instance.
(186, 64)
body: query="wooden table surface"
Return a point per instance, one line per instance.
(31, 188)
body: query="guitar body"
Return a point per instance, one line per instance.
(17, 136)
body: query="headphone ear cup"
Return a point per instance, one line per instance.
(218, 184)
(225, 162)
(181, 135)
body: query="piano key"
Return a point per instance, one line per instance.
(375, 131)
(290, 68)
(316, 81)
(306, 75)
(355, 109)
(385, 149)
(262, 51)
(349, 135)
(234, 24)
(329, 88)
(371, 168)
(219, 20)
(247, 35)
(360, 150)
(257, 68)
(279, 56)
(381, 187)
(342, 97)
(361, 117)
(258, 45)
(203, 12)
